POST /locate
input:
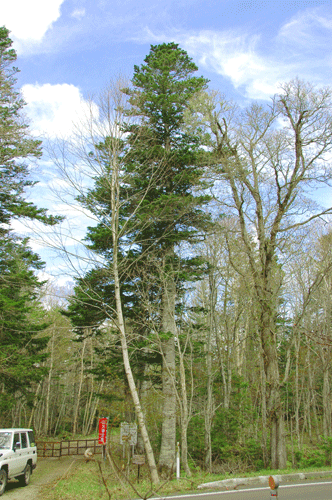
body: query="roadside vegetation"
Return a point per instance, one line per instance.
(92, 480)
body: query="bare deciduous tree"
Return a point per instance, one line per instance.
(266, 159)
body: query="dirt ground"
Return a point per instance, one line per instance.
(48, 472)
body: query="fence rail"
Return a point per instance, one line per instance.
(65, 448)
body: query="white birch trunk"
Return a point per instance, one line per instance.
(122, 331)
(80, 383)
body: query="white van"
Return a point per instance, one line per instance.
(18, 456)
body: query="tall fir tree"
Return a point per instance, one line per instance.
(22, 321)
(20, 314)
(161, 208)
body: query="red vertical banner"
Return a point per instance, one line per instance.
(102, 431)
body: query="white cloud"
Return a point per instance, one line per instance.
(235, 56)
(65, 282)
(307, 30)
(54, 109)
(29, 20)
(78, 13)
(256, 64)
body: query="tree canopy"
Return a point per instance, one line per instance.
(21, 316)
(17, 147)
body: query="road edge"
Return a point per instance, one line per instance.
(233, 483)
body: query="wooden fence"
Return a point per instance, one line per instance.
(65, 448)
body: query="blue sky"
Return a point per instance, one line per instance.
(241, 46)
(70, 49)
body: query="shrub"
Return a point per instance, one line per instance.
(310, 457)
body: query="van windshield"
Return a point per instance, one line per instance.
(5, 440)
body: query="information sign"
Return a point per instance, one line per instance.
(138, 459)
(128, 433)
(102, 431)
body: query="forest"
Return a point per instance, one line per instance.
(202, 309)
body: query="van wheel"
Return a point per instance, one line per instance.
(3, 481)
(25, 478)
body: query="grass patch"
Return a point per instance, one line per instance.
(81, 482)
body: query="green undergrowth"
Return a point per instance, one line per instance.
(96, 479)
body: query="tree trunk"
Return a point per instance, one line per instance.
(35, 401)
(264, 413)
(122, 331)
(326, 392)
(132, 386)
(209, 404)
(297, 392)
(89, 397)
(48, 389)
(274, 403)
(168, 436)
(209, 410)
(184, 412)
(94, 410)
(80, 383)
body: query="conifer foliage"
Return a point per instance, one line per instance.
(16, 146)
(21, 316)
(162, 89)
(160, 207)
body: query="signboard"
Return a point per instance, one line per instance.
(138, 459)
(128, 433)
(102, 436)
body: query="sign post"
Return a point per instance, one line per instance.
(128, 433)
(138, 460)
(178, 461)
(128, 438)
(274, 485)
(102, 435)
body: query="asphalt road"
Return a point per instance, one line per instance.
(304, 491)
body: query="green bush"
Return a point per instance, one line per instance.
(254, 454)
(196, 445)
(310, 457)
(326, 446)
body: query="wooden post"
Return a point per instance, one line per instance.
(139, 460)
